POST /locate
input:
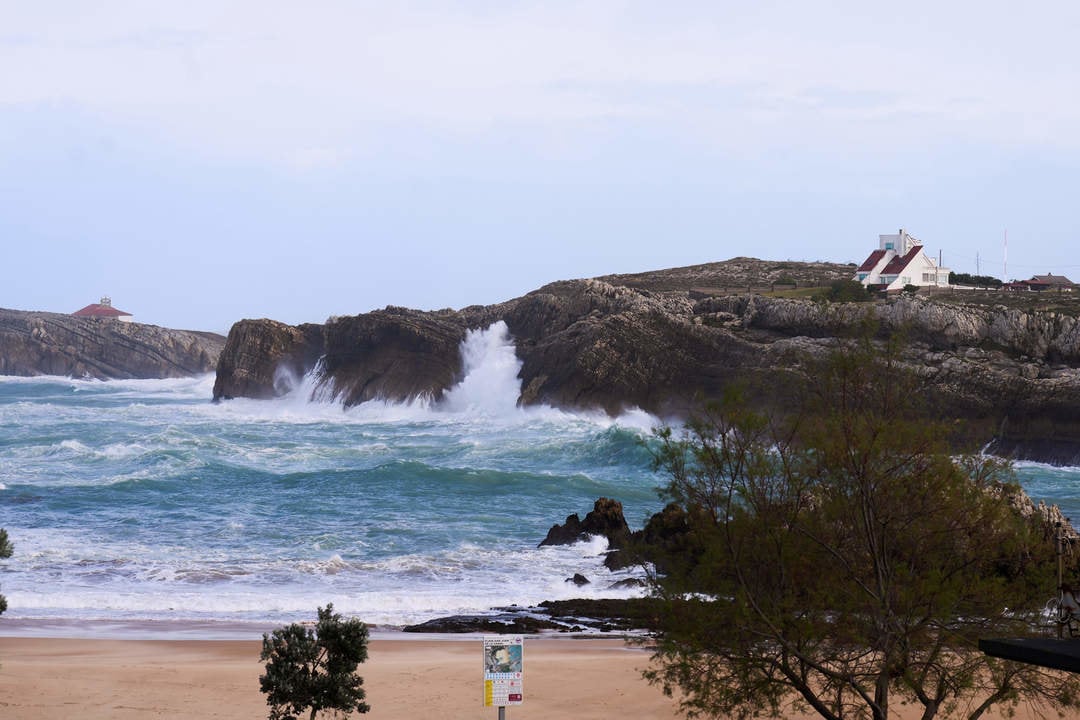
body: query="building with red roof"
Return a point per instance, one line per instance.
(899, 261)
(1042, 283)
(104, 309)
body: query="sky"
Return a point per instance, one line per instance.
(208, 161)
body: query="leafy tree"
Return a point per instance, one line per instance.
(839, 559)
(315, 668)
(6, 549)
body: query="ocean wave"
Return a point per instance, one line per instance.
(144, 500)
(397, 590)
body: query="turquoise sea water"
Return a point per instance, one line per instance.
(142, 500)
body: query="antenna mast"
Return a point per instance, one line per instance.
(1005, 261)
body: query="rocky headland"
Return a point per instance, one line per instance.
(43, 343)
(665, 341)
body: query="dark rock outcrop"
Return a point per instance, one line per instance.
(605, 519)
(587, 344)
(503, 623)
(262, 358)
(578, 616)
(41, 343)
(392, 354)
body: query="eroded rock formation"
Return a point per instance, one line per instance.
(658, 344)
(261, 358)
(41, 343)
(606, 519)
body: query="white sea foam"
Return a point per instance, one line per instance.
(486, 396)
(398, 590)
(1021, 464)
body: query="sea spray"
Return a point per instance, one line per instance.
(491, 385)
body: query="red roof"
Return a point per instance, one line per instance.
(898, 263)
(98, 310)
(871, 261)
(1050, 279)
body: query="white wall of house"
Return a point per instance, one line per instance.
(921, 270)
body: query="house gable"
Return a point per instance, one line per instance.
(899, 261)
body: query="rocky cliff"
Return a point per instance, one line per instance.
(662, 342)
(40, 343)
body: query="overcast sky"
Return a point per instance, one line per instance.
(208, 161)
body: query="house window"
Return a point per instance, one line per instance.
(888, 246)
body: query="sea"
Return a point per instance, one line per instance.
(140, 503)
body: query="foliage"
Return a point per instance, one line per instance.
(842, 561)
(986, 281)
(911, 289)
(846, 291)
(6, 549)
(315, 668)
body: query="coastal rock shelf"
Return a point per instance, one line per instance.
(41, 343)
(665, 341)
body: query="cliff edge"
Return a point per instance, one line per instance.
(42, 343)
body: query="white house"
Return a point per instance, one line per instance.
(900, 260)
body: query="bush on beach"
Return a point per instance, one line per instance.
(314, 668)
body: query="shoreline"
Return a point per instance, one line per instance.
(232, 630)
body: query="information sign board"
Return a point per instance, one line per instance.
(504, 670)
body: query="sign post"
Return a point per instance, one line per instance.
(504, 671)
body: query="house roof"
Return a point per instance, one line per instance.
(1049, 279)
(871, 262)
(99, 310)
(898, 263)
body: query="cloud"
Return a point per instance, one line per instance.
(313, 85)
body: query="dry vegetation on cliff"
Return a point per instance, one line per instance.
(737, 275)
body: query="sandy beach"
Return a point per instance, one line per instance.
(407, 678)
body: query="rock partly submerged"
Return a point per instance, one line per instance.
(668, 533)
(664, 343)
(42, 343)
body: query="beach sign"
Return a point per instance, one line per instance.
(503, 670)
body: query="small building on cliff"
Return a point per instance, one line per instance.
(104, 309)
(899, 261)
(1042, 283)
